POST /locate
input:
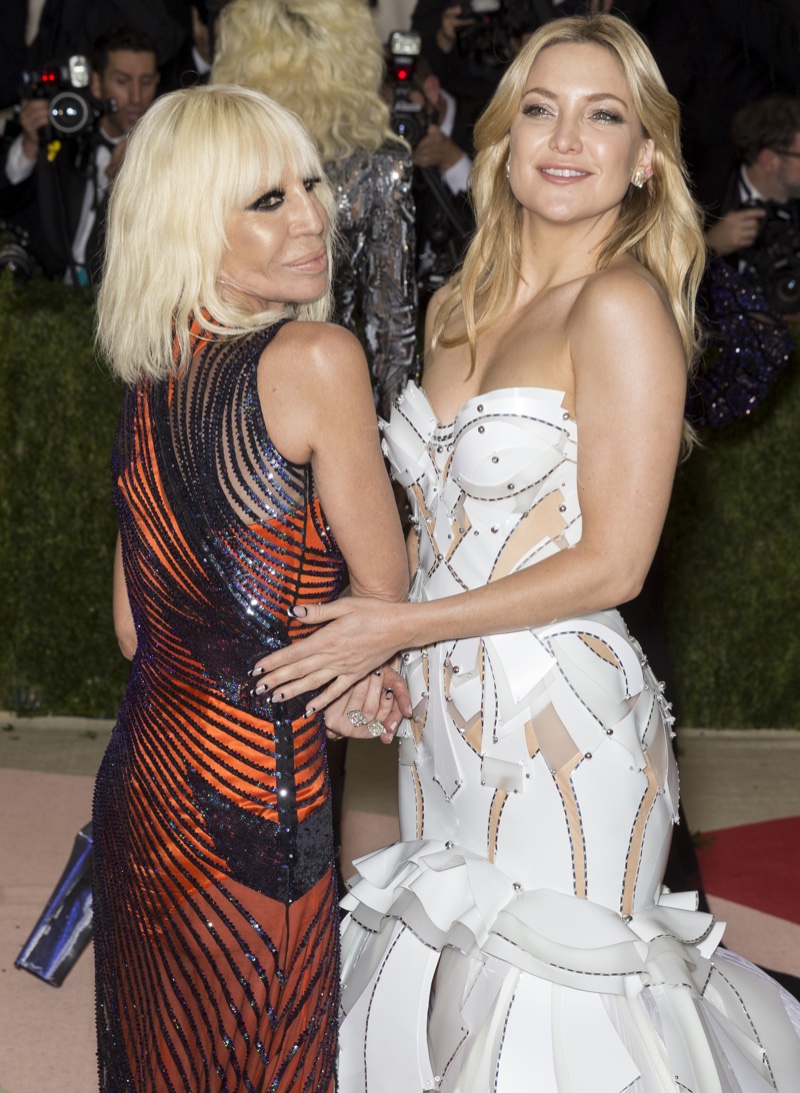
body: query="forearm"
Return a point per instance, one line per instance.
(571, 583)
(392, 587)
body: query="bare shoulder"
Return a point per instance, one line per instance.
(455, 319)
(311, 376)
(434, 306)
(627, 289)
(623, 310)
(314, 353)
(315, 338)
(624, 286)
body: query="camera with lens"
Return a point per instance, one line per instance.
(65, 84)
(774, 259)
(409, 119)
(15, 253)
(491, 41)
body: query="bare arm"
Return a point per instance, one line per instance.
(315, 394)
(317, 403)
(123, 618)
(629, 407)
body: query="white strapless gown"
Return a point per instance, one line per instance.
(519, 939)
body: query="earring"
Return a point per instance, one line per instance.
(508, 167)
(639, 177)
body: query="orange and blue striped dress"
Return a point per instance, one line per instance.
(216, 921)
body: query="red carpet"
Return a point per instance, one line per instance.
(757, 865)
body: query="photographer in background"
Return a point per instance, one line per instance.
(759, 224)
(429, 119)
(55, 186)
(470, 44)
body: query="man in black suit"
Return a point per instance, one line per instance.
(56, 187)
(442, 169)
(469, 47)
(715, 57)
(766, 136)
(758, 229)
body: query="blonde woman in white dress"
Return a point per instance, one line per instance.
(519, 936)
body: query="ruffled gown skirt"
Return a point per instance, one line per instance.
(518, 939)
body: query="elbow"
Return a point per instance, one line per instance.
(614, 580)
(127, 641)
(628, 585)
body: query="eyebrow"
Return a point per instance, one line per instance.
(597, 97)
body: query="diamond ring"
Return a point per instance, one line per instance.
(358, 720)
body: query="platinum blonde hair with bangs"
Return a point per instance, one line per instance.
(193, 159)
(321, 58)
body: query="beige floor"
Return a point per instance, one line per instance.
(47, 1034)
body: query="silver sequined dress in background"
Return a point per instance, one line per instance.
(374, 284)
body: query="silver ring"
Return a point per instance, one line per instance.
(357, 719)
(375, 728)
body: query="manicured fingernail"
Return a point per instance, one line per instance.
(392, 726)
(256, 672)
(297, 612)
(259, 690)
(277, 695)
(378, 672)
(309, 711)
(389, 692)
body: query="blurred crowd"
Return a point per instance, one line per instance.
(734, 66)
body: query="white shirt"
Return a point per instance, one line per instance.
(747, 191)
(19, 167)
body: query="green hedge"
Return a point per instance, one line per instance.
(58, 410)
(733, 537)
(733, 562)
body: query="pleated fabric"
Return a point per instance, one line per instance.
(216, 939)
(519, 938)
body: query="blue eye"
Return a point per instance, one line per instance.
(535, 110)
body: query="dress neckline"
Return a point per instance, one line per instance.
(551, 394)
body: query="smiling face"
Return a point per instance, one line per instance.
(576, 140)
(277, 248)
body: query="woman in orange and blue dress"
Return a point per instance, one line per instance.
(246, 448)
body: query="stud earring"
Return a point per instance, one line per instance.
(639, 177)
(508, 167)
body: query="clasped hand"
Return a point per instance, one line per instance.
(353, 640)
(379, 700)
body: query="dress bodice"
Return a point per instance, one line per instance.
(526, 730)
(491, 492)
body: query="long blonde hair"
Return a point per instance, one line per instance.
(194, 158)
(660, 225)
(321, 58)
